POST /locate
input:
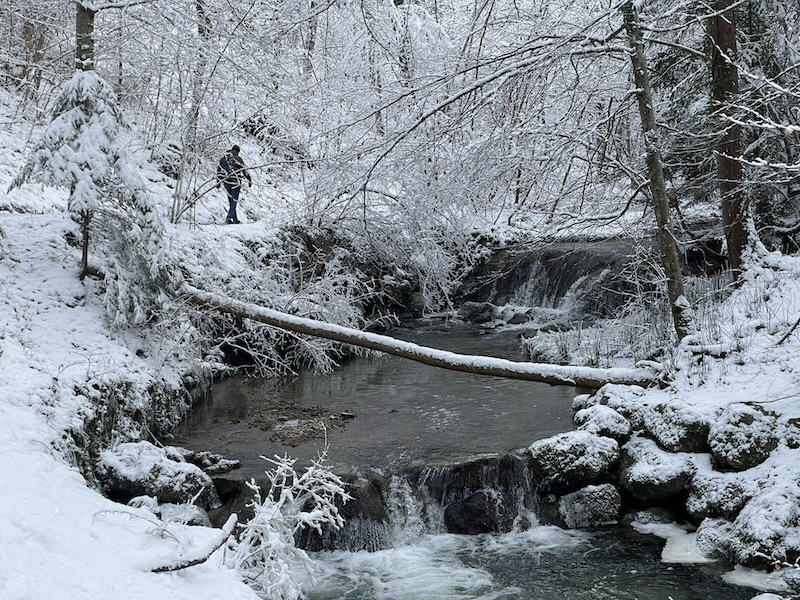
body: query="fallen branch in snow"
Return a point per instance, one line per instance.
(587, 377)
(203, 556)
(788, 333)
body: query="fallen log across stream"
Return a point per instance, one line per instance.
(586, 377)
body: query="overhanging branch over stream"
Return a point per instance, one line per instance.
(480, 365)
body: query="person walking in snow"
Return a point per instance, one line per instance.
(231, 172)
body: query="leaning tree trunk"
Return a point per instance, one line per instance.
(553, 374)
(724, 88)
(655, 170)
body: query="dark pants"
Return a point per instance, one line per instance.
(233, 199)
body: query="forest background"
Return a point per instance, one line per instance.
(392, 144)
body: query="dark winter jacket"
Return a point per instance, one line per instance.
(231, 170)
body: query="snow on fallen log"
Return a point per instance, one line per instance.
(480, 365)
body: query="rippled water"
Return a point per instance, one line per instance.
(404, 411)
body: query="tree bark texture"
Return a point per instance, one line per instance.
(724, 89)
(84, 37)
(552, 374)
(655, 170)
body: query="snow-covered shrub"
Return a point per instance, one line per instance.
(82, 151)
(142, 469)
(266, 550)
(742, 437)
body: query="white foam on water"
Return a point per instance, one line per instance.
(759, 580)
(681, 544)
(431, 569)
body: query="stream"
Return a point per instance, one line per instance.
(389, 413)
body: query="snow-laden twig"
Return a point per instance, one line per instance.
(203, 554)
(294, 501)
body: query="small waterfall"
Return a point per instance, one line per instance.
(407, 522)
(581, 279)
(487, 493)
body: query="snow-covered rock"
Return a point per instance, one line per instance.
(572, 460)
(604, 421)
(675, 426)
(714, 494)
(477, 312)
(651, 474)
(135, 469)
(766, 532)
(592, 506)
(742, 437)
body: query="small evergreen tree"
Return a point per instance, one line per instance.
(80, 150)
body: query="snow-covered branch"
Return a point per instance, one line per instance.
(202, 555)
(479, 365)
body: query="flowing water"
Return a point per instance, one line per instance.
(403, 412)
(398, 413)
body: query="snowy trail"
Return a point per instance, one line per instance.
(61, 539)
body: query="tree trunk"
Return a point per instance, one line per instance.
(553, 374)
(182, 197)
(724, 88)
(84, 37)
(655, 170)
(86, 222)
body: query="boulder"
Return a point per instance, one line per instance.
(570, 461)
(504, 476)
(603, 421)
(676, 427)
(592, 506)
(135, 469)
(713, 494)
(477, 513)
(518, 318)
(742, 437)
(766, 531)
(477, 312)
(651, 474)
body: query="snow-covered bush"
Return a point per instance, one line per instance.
(82, 150)
(266, 550)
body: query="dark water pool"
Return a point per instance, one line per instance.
(402, 411)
